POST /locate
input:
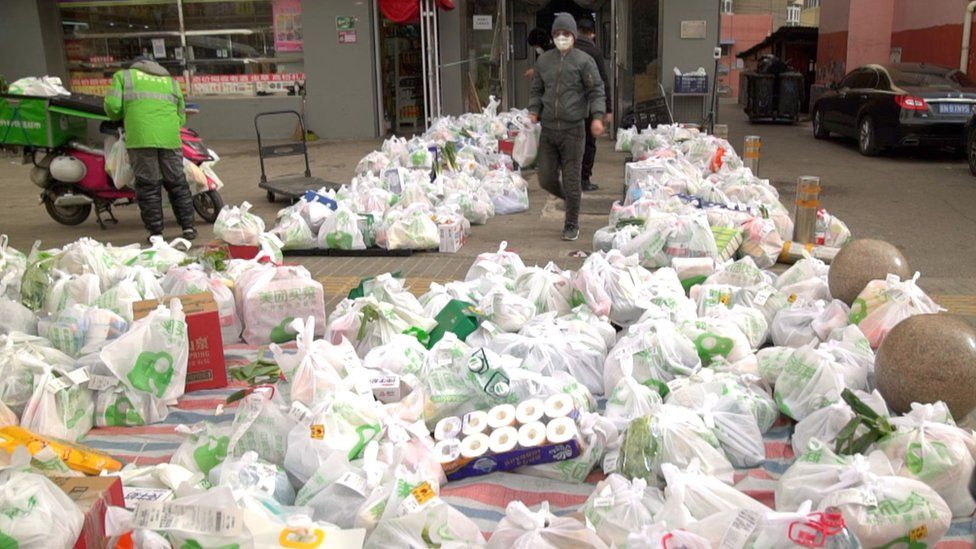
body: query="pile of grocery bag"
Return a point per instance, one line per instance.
(452, 176)
(666, 371)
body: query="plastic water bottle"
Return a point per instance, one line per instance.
(838, 535)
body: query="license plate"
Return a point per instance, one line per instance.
(955, 108)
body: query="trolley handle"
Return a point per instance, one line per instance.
(273, 151)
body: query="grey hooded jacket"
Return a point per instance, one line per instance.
(566, 89)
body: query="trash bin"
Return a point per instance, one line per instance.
(790, 95)
(760, 90)
(771, 95)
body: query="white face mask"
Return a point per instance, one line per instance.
(539, 50)
(563, 43)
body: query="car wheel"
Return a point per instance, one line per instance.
(819, 131)
(867, 141)
(971, 152)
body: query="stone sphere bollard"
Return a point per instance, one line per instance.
(862, 261)
(927, 358)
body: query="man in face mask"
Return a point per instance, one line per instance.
(587, 43)
(540, 42)
(566, 91)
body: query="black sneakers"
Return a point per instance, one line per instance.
(587, 186)
(570, 232)
(190, 233)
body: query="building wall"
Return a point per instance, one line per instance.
(933, 34)
(810, 17)
(745, 31)
(871, 43)
(775, 8)
(688, 54)
(340, 78)
(30, 39)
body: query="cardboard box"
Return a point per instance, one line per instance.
(452, 237)
(206, 368)
(93, 495)
(234, 251)
(638, 171)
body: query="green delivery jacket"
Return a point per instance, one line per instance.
(151, 104)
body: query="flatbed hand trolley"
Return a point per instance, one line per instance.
(290, 186)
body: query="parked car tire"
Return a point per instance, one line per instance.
(867, 139)
(819, 131)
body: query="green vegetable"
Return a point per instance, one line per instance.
(638, 450)
(877, 426)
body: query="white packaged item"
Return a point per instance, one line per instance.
(151, 357)
(597, 432)
(939, 454)
(619, 506)
(503, 262)
(413, 230)
(39, 514)
(656, 353)
(237, 226)
(549, 289)
(693, 495)
(806, 279)
(294, 231)
(340, 231)
(272, 297)
(14, 317)
(161, 255)
(810, 381)
(59, 408)
(826, 423)
(346, 423)
(882, 305)
(192, 280)
(630, 400)
(522, 528)
(261, 425)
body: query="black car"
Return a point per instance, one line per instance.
(898, 105)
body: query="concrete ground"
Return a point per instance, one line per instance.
(922, 204)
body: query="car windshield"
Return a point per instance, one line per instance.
(930, 77)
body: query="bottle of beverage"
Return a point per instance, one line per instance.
(838, 535)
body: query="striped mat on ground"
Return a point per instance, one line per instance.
(483, 499)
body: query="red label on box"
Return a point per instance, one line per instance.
(93, 495)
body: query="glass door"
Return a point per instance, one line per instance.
(431, 61)
(487, 44)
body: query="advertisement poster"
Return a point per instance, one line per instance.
(287, 25)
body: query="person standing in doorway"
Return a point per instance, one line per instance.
(566, 91)
(150, 103)
(540, 42)
(587, 44)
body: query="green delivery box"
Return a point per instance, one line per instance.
(29, 121)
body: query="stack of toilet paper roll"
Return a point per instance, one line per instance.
(506, 428)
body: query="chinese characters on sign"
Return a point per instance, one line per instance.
(287, 25)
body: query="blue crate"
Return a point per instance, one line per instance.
(691, 83)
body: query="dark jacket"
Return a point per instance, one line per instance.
(566, 89)
(586, 45)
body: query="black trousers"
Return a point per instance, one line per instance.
(589, 153)
(155, 169)
(560, 153)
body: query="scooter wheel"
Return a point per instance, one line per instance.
(208, 205)
(270, 196)
(65, 215)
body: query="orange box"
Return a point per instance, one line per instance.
(206, 368)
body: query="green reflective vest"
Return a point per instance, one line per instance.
(151, 106)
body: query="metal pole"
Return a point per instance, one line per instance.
(423, 63)
(186, 51)
(437, 58)
(377, 18)
(805, 212)
(751, 149)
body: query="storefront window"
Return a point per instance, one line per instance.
(241, 47)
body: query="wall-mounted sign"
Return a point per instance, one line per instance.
(693, 30)
(347, 37)
(481, 22)
(345, 23)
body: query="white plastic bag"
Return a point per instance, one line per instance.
(161, 255)
(117, 165)
(806, 323)
(527, 146)
(619, 506)
(340, 231)
(630, 400)
(882, 305)
(38, 513)
(271, 298)
(192, 280)
(59, 408)
(655, 352)
(811, 380)
(413, 230)
(237, 226)
(14, 317)
(525, 529)
(260, 426)
(503, 262)
(294, 231)
(549, 288)
(692, 495)
(151, 358)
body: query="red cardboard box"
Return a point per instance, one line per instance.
(93, 495)
(235, 252)
(206, 368)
